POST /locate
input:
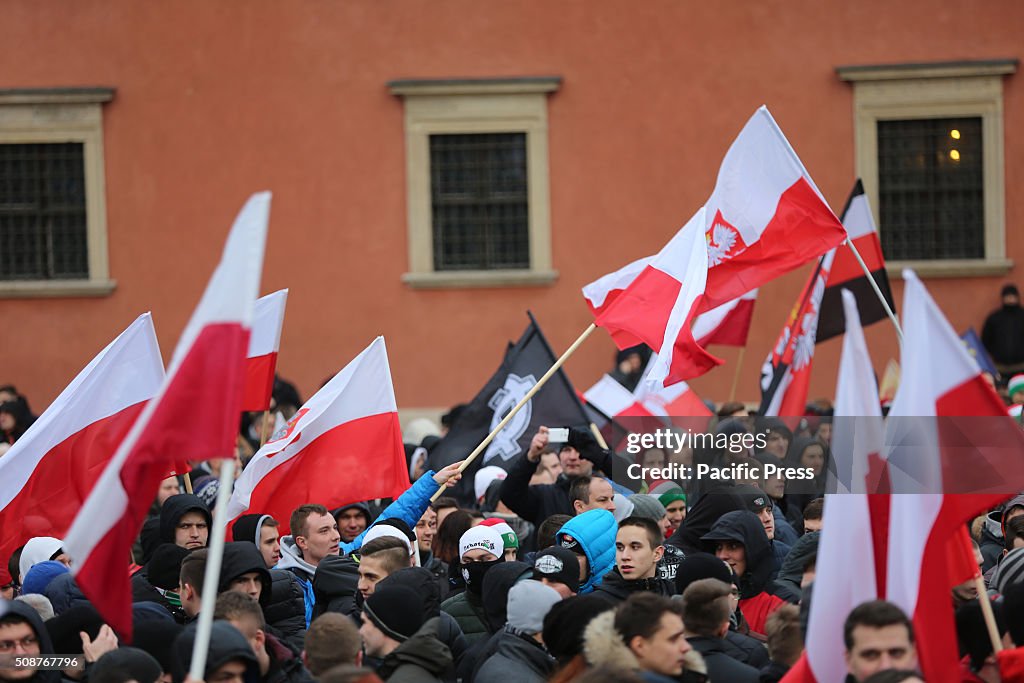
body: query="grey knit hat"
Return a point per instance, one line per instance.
(529, 602)
(648, 506)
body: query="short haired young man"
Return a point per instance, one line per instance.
(332, 640)
(878, 636)
(706, 611)
(638, 548)
(277, 663)
(645, 633)
(378, 559)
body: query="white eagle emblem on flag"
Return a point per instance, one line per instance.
(724, 242)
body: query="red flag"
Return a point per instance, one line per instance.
(729, 324)
(763, 219)
(264, 343)
(195, 411)
(344, 445)
(49, 472)
(786, 374)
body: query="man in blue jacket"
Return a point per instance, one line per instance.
(591, 535)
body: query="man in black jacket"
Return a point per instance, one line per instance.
(638, 549)
(706, 619)
(579, 457)
(1003, 333)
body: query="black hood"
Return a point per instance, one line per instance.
(29, 615)
(149, 539)
(703, 515)
(174, 508)
(247, 527)
(422, 582)
(242, 557)
(744, 527)
(792, 569)
(65, 627)
(497, 583)
(226, 644)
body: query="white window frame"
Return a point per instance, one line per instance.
(938, 90)
(506, 105)
(59, 115)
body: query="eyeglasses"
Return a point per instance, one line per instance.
(25, 643)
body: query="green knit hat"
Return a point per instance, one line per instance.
(1016, 384)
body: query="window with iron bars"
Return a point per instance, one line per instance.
(931, 189)
(479, 201)
(43, 232)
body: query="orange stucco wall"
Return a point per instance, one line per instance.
(216, 100)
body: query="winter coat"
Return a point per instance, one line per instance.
(335, 586)
(144, 591)
(286, 609)
(420, 659)
(746, 649)
(744, 527)
(787, 584)
(518, 659)
(722, 667)
(226, 644)
(773, 672)
(64, 594)
(303, 572)
(448, 630)
(779, 551)
(534, 503)
(1003, 335)
(437, 569)
(30, 616)
(468, 611)
(784, 531)
(595, 531)
(285, 665)
(616, 589)
(603, 646)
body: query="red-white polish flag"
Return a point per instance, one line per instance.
(951, 443)
(614, 400)
(264, 343)
(659, 306)
(195, 412)
(847, 566)
(344, 445)
(764, 218)
(50, 470)
(728, 324)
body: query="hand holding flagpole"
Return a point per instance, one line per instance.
(526, 399)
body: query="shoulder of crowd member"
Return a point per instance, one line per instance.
(286, 609)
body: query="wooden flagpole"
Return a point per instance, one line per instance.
(526, 399)
(990, 618)
(878, 292)
(188, 483)
(263, 428)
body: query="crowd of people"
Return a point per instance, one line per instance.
(547, 570)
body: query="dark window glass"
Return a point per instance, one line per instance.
(931, 189)
(479, 201)
(42, 212)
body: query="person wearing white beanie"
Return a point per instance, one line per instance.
(480, 549)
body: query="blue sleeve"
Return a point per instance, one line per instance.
(409, 507)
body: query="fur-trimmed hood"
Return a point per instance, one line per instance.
(602, 645)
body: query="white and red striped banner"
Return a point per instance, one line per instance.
(264, 344)
(50, 470)
(195, 412)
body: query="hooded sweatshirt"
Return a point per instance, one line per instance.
(423, 658)
(243, 557)
(744, 527)
(1001, 334)
(594, 531)
(702, 516)
(38, 549)
(787, 584)
(174, 508)
(226, 644)
(28, 615)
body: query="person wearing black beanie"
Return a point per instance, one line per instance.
(396, 630)
(565, 623)
(157, 638)
(157, 582)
